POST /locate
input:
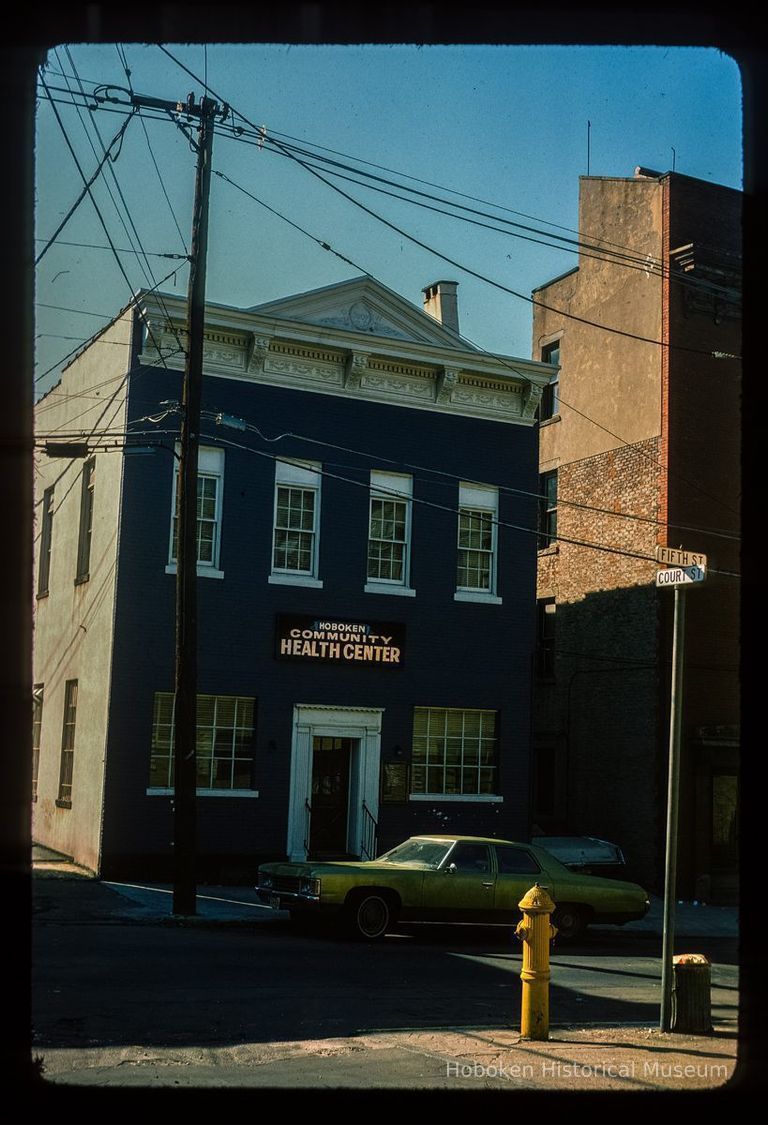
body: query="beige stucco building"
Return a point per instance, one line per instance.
(639, 448)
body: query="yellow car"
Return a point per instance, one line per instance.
(446, 879)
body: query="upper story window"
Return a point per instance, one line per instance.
(46, 533)
(296, 525)
(86, 521)
(477, 543)
(550, 399)
(68, 744)
(547, 509)
(210, 489)
(389, 533)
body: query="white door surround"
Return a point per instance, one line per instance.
(322, 721)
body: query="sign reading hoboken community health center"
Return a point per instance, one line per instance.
(337, 640)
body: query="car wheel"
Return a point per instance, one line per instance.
(571, 921)
(369, 916)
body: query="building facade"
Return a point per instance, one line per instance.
(639, 448)
(366, 584)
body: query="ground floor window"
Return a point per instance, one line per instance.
(454, 751)
(225, 731)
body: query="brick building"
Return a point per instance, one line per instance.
(644, 423)
(366, 603)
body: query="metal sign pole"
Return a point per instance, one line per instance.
(673, 788)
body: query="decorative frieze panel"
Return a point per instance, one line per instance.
(304, 371)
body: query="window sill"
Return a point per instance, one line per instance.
(549, 421)
(479, 596)
(296, 580)
(380, 588)
(202, 571)
(206, 792)
(552, 549)
(63, 804)
(463, 797)
(81, 578)
(41, 595)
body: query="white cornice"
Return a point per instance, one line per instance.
(254, 347)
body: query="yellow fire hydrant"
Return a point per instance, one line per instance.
(536, 931)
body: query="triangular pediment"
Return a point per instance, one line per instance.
(362, 305)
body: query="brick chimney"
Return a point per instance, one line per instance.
(440, 302)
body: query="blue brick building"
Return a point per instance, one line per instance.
(367, 570)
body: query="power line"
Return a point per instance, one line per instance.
(149, 276)
(647, 264)
(124, 59)
(465, 340)
(120, 250)
(132, 303)
(262, 133)
(455, 511)
(117, 137)
(212, 414)
(530, 300)
(351, 199)
(103, 224)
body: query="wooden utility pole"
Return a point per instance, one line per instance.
(185, 760)
(185, 721)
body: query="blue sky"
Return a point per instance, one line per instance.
(507, 125)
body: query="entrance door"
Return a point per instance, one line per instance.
(330, 796)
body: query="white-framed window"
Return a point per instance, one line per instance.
(86, 521)
(389, 534)
(296, 523)
(210, 494)
(550, 399)
(476, 558)
(67, 745)
(454, 753)
(46, 537)
(224, 743)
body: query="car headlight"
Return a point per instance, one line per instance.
(265, 880)
(310, 887)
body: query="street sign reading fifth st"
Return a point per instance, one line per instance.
(680, 575)
(671, 557)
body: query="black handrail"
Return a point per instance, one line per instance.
(307, 816)
(368, 841)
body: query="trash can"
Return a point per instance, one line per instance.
(691, 994)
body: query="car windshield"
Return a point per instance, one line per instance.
(419, 853)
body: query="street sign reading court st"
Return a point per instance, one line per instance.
(680, 575)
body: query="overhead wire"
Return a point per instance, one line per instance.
(212, 414)
(631, 260)
(465, 340)
(325, 246)
(99, 167)
(147, 268)
(261, 131)
(121, 54)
